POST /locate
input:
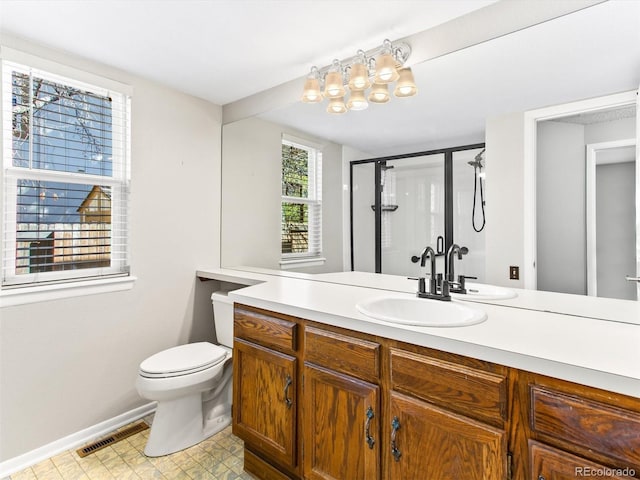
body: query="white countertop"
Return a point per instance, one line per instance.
(595, 352)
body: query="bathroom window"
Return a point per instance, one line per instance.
(65, 179)
(301, 228)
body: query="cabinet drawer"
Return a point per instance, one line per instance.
(549, 463)
(265, 330)
(610, 431)
(474, 393)
(341, 353)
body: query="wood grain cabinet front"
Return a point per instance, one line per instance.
(599, 428)
(447, 419)
(548, 463)
(315, 402)
(341, 426)
(264, 401)
(432, 443)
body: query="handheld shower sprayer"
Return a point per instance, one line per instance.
(477, 160)
(476, 163)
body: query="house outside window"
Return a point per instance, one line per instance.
(65, 179)
(301, 230)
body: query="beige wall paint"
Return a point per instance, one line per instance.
(251, 196)
(66, 365)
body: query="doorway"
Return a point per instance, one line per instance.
(611, 219)
(559, 207)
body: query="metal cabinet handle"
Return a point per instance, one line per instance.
(541, 477)
(629, 278)
(288, 383)
(395, 424)
(370, 440)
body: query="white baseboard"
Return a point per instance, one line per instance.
(74, 440)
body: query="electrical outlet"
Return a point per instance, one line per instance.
(514, 272)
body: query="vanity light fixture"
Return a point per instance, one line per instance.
(375, 69)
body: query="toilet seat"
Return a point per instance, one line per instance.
(182, 360)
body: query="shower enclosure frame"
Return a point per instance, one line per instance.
(379, 163)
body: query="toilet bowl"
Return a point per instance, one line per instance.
(192, 385)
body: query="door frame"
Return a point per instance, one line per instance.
(531, 119)
(592, 151)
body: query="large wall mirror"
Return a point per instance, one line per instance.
(589, 53)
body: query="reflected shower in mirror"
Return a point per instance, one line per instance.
(424, 199)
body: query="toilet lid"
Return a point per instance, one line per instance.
(183, 359)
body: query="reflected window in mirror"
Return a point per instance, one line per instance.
(301, 228)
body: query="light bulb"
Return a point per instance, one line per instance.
(357, 101)
(336, 105)
(359, 79)
(406, 86)
(379, 93)
(311, 92)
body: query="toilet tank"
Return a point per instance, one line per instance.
(223, 318)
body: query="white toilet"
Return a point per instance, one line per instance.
(192, 385)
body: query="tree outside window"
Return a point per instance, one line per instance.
(301, 200)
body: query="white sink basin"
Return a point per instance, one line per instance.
(480, 291)
(420, 312)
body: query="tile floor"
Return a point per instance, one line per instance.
(217, 458)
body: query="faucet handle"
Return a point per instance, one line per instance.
(422, 285)
(460, 284)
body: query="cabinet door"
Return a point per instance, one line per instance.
(264, 401)
(431, 443)
(341, 427)
(548, 463)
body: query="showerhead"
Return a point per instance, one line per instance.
(477, 161)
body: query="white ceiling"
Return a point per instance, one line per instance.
(222, 50)
(226, 50)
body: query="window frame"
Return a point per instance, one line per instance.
(34, 287)
(313, 200)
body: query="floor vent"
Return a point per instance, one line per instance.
(111, 439)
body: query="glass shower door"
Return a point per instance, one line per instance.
(413, 214)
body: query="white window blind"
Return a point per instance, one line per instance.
(65, 178)
(301, 200)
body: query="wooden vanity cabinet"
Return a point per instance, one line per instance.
(341, 407)
(265, 379)
(548, 463)
(576, 431)
(317, 402)
(447, 420)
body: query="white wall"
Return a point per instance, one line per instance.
(252, 190)
(66, 365)
(561, 208)
(364, 232)
(505, 198)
